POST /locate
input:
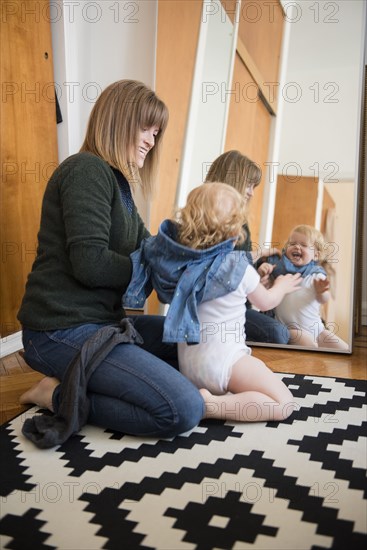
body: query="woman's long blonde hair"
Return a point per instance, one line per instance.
(236, 170)
(121, 111)
(212, 214)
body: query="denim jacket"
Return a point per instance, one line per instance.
(182, 277)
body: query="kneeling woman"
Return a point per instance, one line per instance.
(72, 305)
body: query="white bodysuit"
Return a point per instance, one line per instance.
(222, 338)
(300, 309)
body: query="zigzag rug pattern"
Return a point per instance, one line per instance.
(298, 484)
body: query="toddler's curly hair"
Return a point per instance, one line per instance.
(212, 214)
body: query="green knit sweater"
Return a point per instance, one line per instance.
(82, 266)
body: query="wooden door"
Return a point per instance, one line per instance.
(28, 143)
(254, 89)
(295, 204)
(178, 32)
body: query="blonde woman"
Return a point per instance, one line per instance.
(193, 266)
(304, 253)
(237, 170)
(72, 302)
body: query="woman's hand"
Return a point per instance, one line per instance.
(265, 270)
(270, 251)
(288, 283)
(257, 253)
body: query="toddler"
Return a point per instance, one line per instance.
(304, 253)
(192, 265)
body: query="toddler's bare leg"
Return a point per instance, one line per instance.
(300, 337)
(257, 394)
(328, 339)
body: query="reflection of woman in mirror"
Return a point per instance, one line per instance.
(304, 253)
(244, 175)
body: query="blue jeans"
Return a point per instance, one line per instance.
(135, 390)
(263, 328)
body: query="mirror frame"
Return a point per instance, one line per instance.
(322, 18)
(189, 177)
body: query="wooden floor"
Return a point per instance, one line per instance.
(16, 376)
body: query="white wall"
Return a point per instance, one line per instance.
(210, 97)
(95, 44)
(321, 111)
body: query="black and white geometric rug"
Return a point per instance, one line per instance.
(298, 484)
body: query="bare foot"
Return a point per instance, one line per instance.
(206, 395)
(211, 406)
(41, 393)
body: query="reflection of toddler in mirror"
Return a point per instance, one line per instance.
(192, 265)
(304, 253)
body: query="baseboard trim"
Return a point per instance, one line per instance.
(10, 344)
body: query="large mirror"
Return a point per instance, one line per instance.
(319, 142)
(313, 161)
